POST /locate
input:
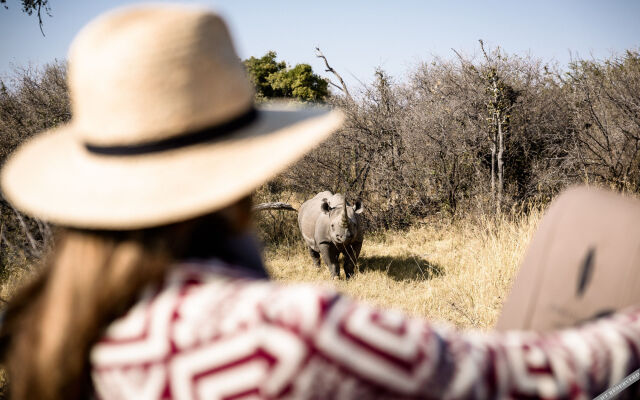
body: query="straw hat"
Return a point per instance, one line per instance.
(164, 126)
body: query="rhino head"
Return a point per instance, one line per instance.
(344, 225)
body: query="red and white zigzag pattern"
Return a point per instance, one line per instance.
(208, 335)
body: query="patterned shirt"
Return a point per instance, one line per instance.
(211, 333)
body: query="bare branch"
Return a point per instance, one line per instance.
(40, 17)
(486, 56)
(278, 205)
(27, 233)
(334, 85)
(334, 72)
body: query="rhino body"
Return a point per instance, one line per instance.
(331, 227)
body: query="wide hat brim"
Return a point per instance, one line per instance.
(54, 177)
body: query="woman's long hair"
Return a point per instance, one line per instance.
(90, 279)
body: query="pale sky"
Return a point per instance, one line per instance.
(358, 36)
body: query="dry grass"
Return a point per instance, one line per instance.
(458, 272)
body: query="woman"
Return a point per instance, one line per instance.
(155, 288)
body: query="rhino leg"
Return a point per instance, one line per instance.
(315, 256)
(351, 254)
(330, 255)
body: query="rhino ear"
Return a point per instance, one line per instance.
(357, 208)
(325, 206)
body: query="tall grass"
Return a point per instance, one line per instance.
(458, 271)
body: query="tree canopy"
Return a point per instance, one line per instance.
(31, 6)
(275, 79)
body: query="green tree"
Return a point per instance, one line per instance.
(260, 69)
(274, 79)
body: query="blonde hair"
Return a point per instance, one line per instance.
(90, 279)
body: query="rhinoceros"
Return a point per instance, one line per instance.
(331, 227)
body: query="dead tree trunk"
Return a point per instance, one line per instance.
(493, 166)
(499, 105)
(500, 162)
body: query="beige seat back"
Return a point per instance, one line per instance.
(583, 262)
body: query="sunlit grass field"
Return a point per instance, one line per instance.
(459, 272)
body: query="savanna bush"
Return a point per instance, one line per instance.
(31, 100)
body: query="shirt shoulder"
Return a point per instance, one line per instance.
(205, 318)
